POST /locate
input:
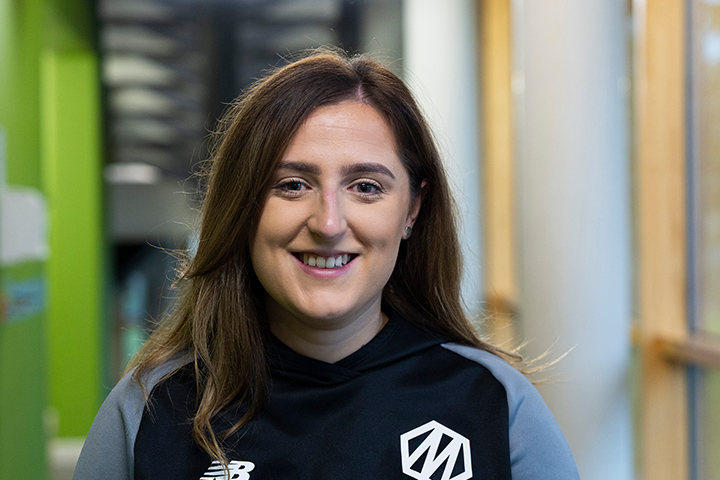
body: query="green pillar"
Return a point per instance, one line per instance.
(23, 282)
(72, 160)
(51, 235)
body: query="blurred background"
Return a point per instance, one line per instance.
(583, 144)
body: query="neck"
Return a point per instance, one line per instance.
(327, 340)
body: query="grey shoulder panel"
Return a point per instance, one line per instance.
(538, 449)
(108, 452)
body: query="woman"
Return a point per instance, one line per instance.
(319, 332)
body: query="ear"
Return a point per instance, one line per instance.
(415, 204)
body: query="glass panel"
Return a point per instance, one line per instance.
(705, 186)
(706, 129)
(709, 426)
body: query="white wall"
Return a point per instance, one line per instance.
(572, 137)
(439, 52)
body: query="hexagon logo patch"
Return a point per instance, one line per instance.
(433, 448)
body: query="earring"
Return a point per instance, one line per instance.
(408, 232)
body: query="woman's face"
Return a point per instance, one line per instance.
(333, 219)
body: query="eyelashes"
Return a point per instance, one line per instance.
(296, 187)
(366, 187)
(291, 186)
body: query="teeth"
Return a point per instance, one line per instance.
(325, 262)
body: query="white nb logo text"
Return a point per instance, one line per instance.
(236, 470)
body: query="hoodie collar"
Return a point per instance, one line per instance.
(398, 339)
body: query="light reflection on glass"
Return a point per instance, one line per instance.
(705, 88)
(706, 104)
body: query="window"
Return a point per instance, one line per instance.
(677, 81)
(704, 252)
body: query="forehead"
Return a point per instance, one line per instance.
(346, 130)
(348, 114)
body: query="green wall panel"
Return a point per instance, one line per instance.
(22, 386)
(71, 122)
(23, 375)
(51, 313)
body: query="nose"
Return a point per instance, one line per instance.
(327, 220)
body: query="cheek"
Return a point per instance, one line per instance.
(382, 235)
(384, 225)
(265, 257)
(274, 227)
(266, 237)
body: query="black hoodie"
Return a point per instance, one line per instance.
(406, 405)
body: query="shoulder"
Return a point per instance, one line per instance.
(129, 396)
(538, 448)
(516, 385)
(110, 441)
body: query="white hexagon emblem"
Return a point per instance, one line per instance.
(425, 460)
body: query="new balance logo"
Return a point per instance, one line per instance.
(424, 461)
(237, 470)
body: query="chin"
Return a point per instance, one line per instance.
(327, 316)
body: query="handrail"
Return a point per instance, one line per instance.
(699, 349)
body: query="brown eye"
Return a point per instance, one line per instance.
(291, 187)
(366, 188)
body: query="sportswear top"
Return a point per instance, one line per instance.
(408, 404)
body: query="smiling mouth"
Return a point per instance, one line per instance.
(335, 261)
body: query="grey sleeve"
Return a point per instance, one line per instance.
(538, 449)
(108, 452)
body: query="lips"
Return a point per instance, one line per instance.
(331, 261)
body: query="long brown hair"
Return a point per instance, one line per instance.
(219, 321)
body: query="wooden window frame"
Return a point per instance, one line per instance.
(500, 280)
(661, 182)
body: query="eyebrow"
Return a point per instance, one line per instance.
(368, 167)
(300, 167)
